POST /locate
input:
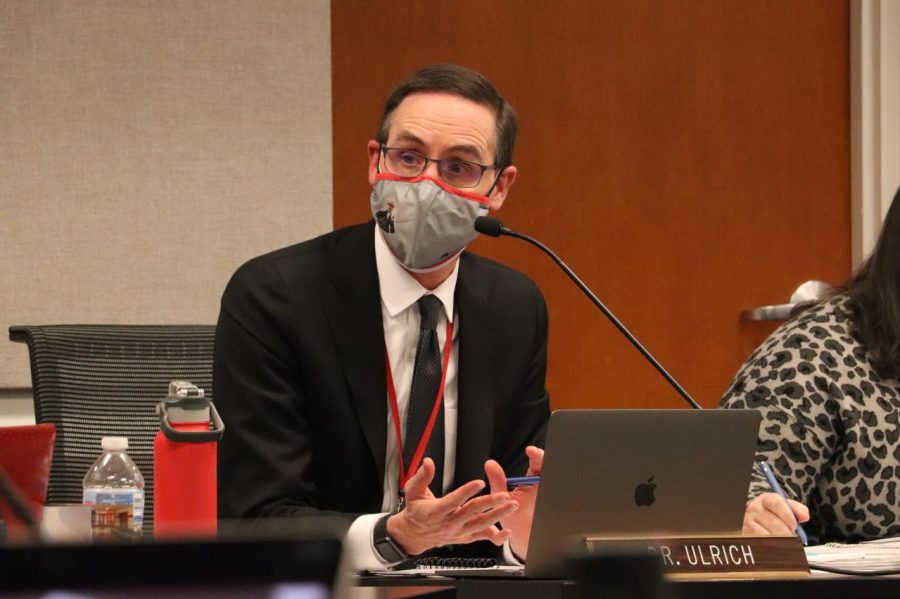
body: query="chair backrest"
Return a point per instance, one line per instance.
(94, 381)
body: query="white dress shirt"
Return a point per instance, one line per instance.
(400, 318)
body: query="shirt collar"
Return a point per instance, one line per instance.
(400, 290)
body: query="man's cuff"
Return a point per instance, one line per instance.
(360, 548)
(509, 558)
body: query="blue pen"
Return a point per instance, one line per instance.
(773, 482)
(522, 481)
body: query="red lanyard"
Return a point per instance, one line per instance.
(395, 411)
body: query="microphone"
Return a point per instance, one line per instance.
(492, 227)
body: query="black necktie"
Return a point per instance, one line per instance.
(426, 381)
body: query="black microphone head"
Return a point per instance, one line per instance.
(487, 225)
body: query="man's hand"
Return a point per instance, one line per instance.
(519, 522)
(768, 514)
(455, 518)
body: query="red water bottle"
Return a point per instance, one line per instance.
(184, 463)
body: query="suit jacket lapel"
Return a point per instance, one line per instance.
(355, 319)
(477, 344)
(356, 322)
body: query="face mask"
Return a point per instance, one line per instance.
(424, 222)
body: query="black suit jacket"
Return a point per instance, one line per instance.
(299, 377)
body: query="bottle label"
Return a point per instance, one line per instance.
(115, 512)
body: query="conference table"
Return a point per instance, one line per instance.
(817, 587)
(254, 567)
(269, 557)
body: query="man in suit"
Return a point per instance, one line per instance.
(329, 352)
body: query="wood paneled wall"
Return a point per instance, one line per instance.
(689, 159)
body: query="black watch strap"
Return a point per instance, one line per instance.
(389, 549)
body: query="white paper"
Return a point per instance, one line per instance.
(883, 554)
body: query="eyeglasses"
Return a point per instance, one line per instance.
(452, 171)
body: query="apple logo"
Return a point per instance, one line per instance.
(643, 493)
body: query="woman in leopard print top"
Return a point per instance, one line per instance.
(827, 384)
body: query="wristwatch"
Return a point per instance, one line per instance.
(389, 549)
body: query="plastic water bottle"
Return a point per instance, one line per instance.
(114, 488)
(184, 463)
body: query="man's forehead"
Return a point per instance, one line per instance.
(443, 98)
(423, 115)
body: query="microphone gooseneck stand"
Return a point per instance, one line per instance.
(492, 227)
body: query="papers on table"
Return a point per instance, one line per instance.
(871, 556)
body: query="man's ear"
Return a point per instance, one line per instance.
(507, 178)
(374, 149)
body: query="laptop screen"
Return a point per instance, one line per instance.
(644, 473)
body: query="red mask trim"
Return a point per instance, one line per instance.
(481, 199)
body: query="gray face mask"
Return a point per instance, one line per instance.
(424, 222)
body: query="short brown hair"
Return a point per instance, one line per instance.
(455, 79)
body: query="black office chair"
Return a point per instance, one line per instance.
(94, 381)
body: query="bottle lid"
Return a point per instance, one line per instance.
(114, 443)
(185, 403)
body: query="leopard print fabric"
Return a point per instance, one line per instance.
(830, 424)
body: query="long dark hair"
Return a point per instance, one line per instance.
(874, 292)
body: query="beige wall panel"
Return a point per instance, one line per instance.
(148, 148)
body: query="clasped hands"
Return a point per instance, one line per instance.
(463, 516)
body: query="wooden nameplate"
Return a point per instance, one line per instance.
(712, 556)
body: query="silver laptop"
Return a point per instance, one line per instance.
(641, 473)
